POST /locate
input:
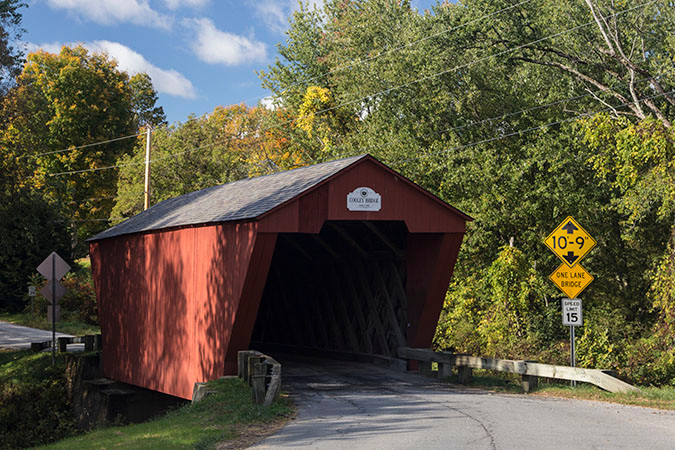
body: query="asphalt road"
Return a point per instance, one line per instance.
(18, 337)
(358, 406)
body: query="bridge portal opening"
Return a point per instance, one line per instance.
(342, 290)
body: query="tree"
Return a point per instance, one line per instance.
(225, 145)
(60, 104)
(479, 102)
(143, 102)
(10, 31)
(621, 52)
(31, 228)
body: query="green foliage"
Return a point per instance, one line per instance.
(80, 299)
(494, 312)
(31, 228)
(10, 32)
(225, 145)
(143, 102)
(34, 405)
(457, 103)
(61, 102)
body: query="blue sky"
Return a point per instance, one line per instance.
(199, 53)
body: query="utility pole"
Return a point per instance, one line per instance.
(148, 138)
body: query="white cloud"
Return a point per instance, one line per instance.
(214, 46)
(109, 12)
(50, 47)
(276, 13)
(268, 103)
(175, 4)
(168, 82)
(165, 81)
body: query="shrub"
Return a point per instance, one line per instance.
(34, 404)
(80, 298)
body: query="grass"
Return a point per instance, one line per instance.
(67, 324)
(217, 418)
(650, 397)
(23, 367)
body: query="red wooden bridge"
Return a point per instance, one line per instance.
(347, 256)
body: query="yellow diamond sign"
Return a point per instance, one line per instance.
(570, 242)
(571, 280)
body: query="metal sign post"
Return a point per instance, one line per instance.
(573, 356)
(53, 278)
(53, 268)
(32, 293)
(572, 316)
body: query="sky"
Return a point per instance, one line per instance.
(199, 53)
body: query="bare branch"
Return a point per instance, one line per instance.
(587, 79)
(657, 112)
(633, 94)
(614, 111)
(600, 25)
(632, 66)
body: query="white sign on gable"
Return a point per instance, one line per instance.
(364, 199)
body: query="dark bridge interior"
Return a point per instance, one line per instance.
(341, 290)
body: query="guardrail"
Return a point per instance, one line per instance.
(262, 373)
(530, 370)
(91, 343)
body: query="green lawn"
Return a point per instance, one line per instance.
(215, 419)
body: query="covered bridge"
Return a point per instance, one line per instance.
(345, 256)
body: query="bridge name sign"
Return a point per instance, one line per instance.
(364, 199)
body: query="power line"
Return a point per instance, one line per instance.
(358, 62)
(82, 146)
(473, 144)
(172, 155)
(504, 116)
(528, 130)
(354, 64)
(437, 74)
(350, 65)
(471, 63)
(496, 138)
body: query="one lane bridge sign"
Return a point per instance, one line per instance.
(571, 280)
(570, 242)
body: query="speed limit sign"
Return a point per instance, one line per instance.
(571, 312)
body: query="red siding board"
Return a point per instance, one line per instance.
(168, 303)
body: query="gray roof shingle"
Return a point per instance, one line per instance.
(239, 200)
